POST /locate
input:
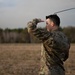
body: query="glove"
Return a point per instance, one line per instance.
(37, 20)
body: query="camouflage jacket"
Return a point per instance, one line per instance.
(55, 43)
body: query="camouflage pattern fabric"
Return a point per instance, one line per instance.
(55, 49)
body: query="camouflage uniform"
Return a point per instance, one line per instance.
(55, 49)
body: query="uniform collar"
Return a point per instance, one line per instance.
(57, 29)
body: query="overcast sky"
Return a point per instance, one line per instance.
(16, 13)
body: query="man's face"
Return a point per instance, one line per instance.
(49, 24)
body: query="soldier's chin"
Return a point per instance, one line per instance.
(47, 28)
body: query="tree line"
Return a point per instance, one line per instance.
(21, 35)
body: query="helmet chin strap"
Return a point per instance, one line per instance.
(64, 10)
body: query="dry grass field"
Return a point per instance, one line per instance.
(24, 59)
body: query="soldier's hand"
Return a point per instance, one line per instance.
(38, 20)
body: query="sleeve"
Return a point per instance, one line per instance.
(31, 25)
(40, 33)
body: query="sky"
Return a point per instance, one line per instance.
(16, 13)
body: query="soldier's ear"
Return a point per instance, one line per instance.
(52, 23)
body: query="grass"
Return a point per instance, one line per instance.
(24, 59)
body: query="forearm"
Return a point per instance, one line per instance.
(40, 33)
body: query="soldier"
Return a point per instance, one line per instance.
(55, 45)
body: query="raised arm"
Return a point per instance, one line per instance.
(40, 33)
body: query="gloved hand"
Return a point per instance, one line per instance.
(38, 20)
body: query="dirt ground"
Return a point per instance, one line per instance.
(24, 59)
